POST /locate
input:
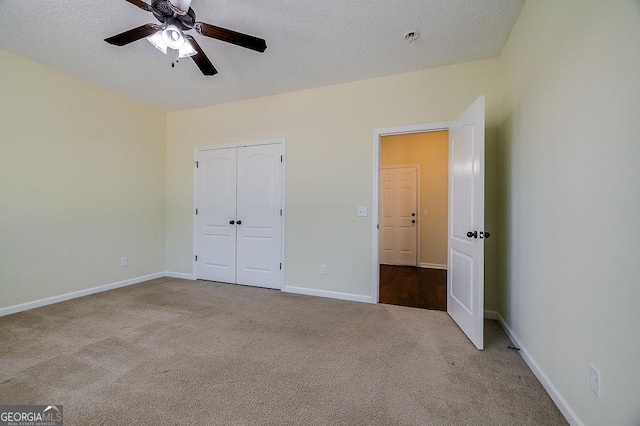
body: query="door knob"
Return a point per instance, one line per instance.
(487, 235)
(239, 222)
(473, 234)
(413, 221)
(413, 214)
(231, 222)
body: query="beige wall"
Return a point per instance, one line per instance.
(329, 162)
(570, 201)
(83, 175)
(430, 151)
(82, 184)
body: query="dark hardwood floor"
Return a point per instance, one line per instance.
(414, 287)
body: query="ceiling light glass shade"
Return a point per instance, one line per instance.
(172, 37)
(186, 50)
(156, 40)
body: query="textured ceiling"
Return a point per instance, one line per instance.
(310, 43)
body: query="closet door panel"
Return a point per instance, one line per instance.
(215, 236)
(258, 209)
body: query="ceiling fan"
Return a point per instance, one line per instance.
(176, 16)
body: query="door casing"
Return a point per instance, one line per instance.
(280, 141)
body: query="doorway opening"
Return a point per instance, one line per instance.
(413, 215)
(466, 233)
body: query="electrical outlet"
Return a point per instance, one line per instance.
(362, 211)
(124, 262)
(425, 213)
(594, 380)
(323, 269)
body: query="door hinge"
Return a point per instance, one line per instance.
(196, 211)
(280, 212)
(378, 226)
(281, 266)
(281, 158)
(196, 164)
(196, 258)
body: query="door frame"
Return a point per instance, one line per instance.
(377, 136)
(279, 141)
(418, 229)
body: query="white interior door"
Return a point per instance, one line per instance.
(259, 223)
(465, 280)
(398, 216)
(215, 236)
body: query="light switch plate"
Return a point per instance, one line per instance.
(362, 211)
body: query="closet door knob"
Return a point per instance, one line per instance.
(473, 234)
(231, 222)
(239, 222)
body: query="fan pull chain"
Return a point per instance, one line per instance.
(176, 60)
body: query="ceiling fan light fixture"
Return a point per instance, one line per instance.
(172, 37)
(186, 50)
(157, 42)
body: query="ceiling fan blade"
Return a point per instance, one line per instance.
(200, 58)
(133, 35)
(142, 5)
(244, 40)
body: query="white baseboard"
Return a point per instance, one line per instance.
(433, 266)
(180, 275)
(492, 315)
(80, 293)
(553, 392)
(75, 294)
(330, 294)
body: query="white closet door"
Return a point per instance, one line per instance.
(259, 223)
(215, 236)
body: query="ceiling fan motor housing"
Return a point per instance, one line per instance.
(164, 10)
(180, 7)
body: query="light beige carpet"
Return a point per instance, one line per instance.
(171, 352)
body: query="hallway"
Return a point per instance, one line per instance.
(414, 287)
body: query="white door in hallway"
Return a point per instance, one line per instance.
(259, 223)
(465, 280)
(216, 207)
(398, 216)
